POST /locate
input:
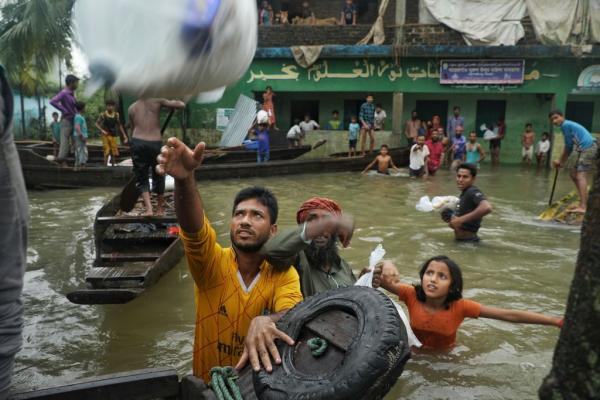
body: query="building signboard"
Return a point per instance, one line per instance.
(478, 72)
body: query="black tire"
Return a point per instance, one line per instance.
(373, 362)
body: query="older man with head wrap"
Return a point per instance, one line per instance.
(312, 247)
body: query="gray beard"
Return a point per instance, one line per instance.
(323, 257)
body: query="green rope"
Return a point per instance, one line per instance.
(317, 346)
(222, 382)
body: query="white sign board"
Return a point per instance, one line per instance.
(223, 115)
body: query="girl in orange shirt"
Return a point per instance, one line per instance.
(436, 307)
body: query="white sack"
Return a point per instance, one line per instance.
(489, 23)
(367, 280)
(424, 204)
(175, 48)
(553, 20)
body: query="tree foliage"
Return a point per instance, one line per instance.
(33, 35)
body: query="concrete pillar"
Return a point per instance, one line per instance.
(397, 111)
(400, 20)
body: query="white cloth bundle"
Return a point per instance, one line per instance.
(439, 203)
(176, 48)
(367, 280)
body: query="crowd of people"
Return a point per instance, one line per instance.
(269, 270)
(267, 16)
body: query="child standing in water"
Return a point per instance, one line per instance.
(436, 307)
(383, 160)
(542, 149)
(475, 153)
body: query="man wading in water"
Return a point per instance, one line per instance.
(235, 286)
(472, 206)
(146, 141)
(312, 247)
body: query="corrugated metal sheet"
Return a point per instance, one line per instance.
(241, 121)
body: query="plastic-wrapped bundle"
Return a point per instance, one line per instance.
(440, 203)
(176, 48)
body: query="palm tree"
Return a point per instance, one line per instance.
(33, 34)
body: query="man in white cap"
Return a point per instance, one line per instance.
(262, 135)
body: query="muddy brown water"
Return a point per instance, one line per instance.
(521, 263)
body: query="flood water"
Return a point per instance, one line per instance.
(521, 263)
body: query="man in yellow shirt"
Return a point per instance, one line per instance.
(235, 287)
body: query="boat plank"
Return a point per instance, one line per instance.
(130, 271)
(141, 219)
(103, 296)
(140, 385)
(133, 257)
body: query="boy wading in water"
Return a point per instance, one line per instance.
(419, 157)
(472, 206)
(383, 160)
(527, 141)
(580, 150)
(146, 143)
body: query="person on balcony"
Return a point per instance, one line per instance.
(349, 13)
(265, 15)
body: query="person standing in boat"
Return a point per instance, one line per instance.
(312, 247)
(236, 285)
(64, 102)
(580, 149)
(269, 107)
(146, 142)
(109, 124)
(472, 206)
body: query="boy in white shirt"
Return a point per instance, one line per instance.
(542, 149)
(419, 153)
(294, 134)
(380, 117)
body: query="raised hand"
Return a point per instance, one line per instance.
(178, 160)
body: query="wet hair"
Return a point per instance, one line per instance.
(80, 106)
(263, 195)
(385, 145)
(110, 102)
(69, 79)
(55, 113)
(555, 112)
(472, 168)
(456, 286)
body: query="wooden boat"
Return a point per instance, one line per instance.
(213, 155)
(41, 173)
(132, 253)
(367, 348)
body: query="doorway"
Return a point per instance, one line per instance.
(581, 112)
(301, 107)
(488, 113)
(426, 109)
(351, 108)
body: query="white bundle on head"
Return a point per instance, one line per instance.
(262, 117)
(176, 48)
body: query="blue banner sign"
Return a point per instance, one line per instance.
(477, 72)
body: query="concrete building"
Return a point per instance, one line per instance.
(405, 73)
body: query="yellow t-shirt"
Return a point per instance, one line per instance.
(224, 308)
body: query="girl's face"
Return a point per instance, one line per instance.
(436, 280)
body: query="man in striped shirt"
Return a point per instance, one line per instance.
(366, 117)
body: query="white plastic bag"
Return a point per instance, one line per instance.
(442, 203)
(424, 204)
(175, 48)
(367, 280)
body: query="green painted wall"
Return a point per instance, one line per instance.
(331, 81)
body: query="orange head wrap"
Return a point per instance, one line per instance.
(317, 203)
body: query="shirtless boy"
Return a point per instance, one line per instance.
(527, 141)
(383, 160)
(146, 143)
